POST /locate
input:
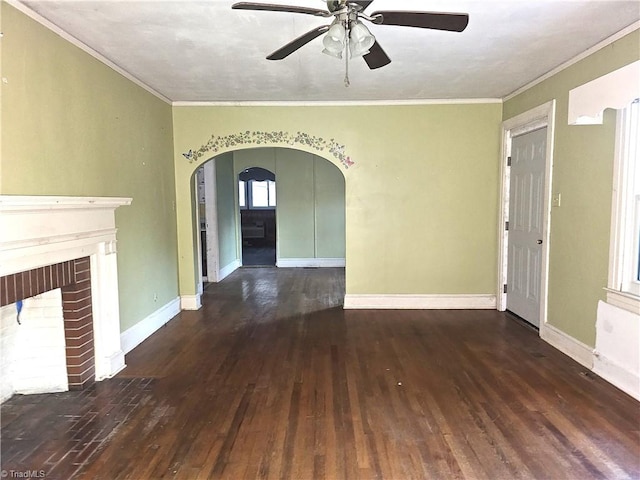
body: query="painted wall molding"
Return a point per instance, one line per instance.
(138, 333)
(613, 90)
(581, 56)
(84, 47)
(336, 103)
(218, 143)
(310, 262)
(420, 302)
(190, 302)
(580, 352)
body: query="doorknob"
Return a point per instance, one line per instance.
(539, 242)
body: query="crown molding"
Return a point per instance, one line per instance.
(345, 103)
(598, 46)
(84, 47)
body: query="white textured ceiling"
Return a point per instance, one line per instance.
(203, 51)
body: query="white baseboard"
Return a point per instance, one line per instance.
(134, 336)
(617, 375)
(420, 302)
(190, 302)
(113, 364)
(310, 262)
(228, 269)
(581, 353)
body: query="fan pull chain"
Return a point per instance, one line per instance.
(346, 62)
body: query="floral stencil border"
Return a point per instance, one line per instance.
(219, 142)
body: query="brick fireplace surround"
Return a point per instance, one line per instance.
(69, 243)
(73, 277)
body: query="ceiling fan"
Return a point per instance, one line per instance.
(347, 33)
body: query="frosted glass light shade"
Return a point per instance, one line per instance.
(334, 40)
(360, 39)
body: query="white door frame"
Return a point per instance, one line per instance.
(211, 249)
(211, 221)
(534, 119)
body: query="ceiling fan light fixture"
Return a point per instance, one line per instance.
(360, 39)
(335, 5)
(332, 52)
(334, 40)
(348, 35)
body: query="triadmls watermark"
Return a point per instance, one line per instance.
(23, 474)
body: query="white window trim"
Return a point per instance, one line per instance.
(618, 293)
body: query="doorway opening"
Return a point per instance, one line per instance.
(523, 266)
(237, 223)
(257, 201)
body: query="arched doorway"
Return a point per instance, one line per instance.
(257, 204)
(189, 265)
(310, 222)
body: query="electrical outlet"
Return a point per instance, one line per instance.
(555, 200)
(155, 297)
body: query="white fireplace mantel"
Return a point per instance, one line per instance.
(36, 231)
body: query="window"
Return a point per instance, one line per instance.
(259, 194)
(242, 194)
(256, 194)
(624, 275)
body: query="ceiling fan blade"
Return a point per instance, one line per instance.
(280, 8)
(453, 22)
(294, 45)
(376, 57)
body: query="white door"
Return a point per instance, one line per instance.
(524, 268)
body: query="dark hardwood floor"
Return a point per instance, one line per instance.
(272, 379)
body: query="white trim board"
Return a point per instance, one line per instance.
(598, 46)
(617, 375)
(420, 302)
(190, 302)
(581, 353)
(135, 335)
(333, 103)
(310, 262)
(617, 89)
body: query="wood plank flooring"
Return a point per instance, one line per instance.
(271, 379)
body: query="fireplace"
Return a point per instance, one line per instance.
(65, 245)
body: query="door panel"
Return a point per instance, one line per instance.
(526, 205)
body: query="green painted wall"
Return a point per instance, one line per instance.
(421, 198)
(583, 175)
(255, 157)
(73, 126)
(310, 195)
(295, 204)
(329, 209)
(226, 209)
